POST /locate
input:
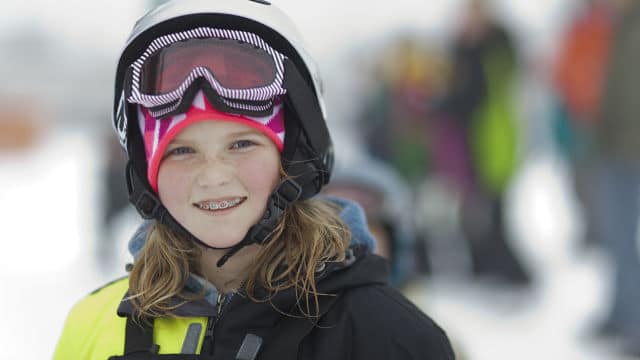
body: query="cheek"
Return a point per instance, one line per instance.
(261, 174)
(171, 181)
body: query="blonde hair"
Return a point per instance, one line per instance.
(309, 233)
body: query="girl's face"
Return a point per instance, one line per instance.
(215, 178)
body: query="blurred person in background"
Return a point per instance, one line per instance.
(395, 118)
(618, 183)
(482, 106)
(220, 110)
(578, 79)
(386, 200)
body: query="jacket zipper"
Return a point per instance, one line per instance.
(220, 302)
(212, 321)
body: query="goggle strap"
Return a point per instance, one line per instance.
(120, 122)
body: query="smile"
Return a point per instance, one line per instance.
(219, 205)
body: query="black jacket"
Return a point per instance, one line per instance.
(371, 320)
(366, 320)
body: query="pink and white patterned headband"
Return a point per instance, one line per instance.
(158, 133)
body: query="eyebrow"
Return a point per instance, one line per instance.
(234, 134)
(252, 131)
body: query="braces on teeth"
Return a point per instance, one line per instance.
(221, 205)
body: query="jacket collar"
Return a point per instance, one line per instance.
(362, 243)
(358, 269)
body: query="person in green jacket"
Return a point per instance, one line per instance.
(219, 109)
(482, 104)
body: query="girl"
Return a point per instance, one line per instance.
(218, 107)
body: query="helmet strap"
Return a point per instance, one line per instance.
(287, 192)
(300, 100)
(300, 161)
(149, 206)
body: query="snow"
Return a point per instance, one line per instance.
(570, 294)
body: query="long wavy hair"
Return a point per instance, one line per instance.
(309, 233)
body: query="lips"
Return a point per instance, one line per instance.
(219, 204)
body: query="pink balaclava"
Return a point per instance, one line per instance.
(158, 133)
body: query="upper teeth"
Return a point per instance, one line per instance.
(217, 205)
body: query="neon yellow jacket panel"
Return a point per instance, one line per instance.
(93, 329)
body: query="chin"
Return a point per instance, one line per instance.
(230, 240)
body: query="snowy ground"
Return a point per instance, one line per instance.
(48, 197)
(550, 321)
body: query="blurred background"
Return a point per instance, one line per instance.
(496, 150)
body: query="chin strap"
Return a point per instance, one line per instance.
(149, 206)
(284, 194)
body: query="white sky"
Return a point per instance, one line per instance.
(327, 25)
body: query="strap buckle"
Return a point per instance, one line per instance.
(287, 192)
(146, 203)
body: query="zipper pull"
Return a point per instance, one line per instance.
(220, 300)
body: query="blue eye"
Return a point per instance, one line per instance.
(241, 144)
(180, 150)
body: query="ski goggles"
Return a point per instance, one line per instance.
(237, 70)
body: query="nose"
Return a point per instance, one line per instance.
(214, 172)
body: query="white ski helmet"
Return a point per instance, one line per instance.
(307, 156)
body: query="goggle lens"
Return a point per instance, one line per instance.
(235, 64)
